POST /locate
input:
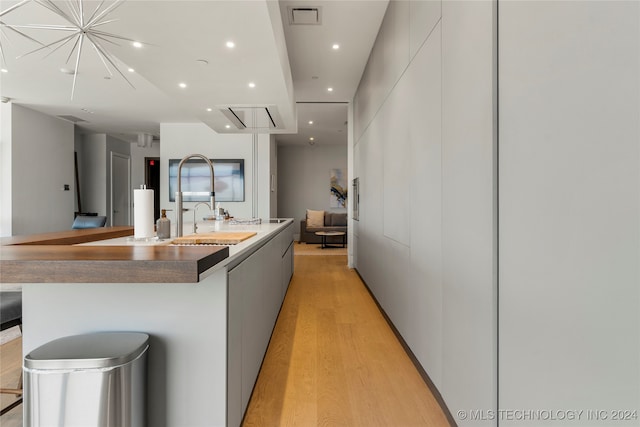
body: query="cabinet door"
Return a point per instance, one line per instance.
(287, 271)
(255, 297)
(235, 410)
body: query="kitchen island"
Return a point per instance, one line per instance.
(209, 330)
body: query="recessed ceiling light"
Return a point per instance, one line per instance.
(231, 44)
(209, 109)
(4, 70)
(137, 44)
(336, 46)
(227, 126)
(131, 70)
(202, 61)
(67, 71)
(252, 85)
(310, 122)
(311, 139)
(330, 89)
(182, 85)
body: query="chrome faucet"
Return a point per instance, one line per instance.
(195, 208)
(211, 193)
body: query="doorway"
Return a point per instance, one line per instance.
(120, 189)
(152, 181)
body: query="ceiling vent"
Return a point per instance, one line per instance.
(73, 119)
(301, 15)
(264, 117)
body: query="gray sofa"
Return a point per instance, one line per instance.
(332, 222)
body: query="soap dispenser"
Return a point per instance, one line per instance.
(163, 226)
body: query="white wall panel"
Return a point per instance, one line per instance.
(423, 16)
(569, 207)
(396, 145)
(431, 263)
(425, 168)
(388, 60)
(396, 42)
(371, 203)
(469, 297)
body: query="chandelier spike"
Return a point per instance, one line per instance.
(81, 30)
(75, 73)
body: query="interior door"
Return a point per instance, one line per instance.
(120, 189)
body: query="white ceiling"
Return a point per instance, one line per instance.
(177, 36)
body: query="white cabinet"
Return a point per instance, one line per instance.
(286, 247)
(255, 290)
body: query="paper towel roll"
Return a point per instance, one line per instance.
(142, 213)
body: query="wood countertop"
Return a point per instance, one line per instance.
(69, 237)
(51, 258)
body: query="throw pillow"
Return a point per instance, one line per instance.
(315, 219)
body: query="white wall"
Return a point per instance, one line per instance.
(138, 155)
(266, 147)
(303, 179)
(570, 208)
(181, 139)
(6, 168)
(123, 148)
(424, 144)
(41, 156)
(273, 176)
(92, 167)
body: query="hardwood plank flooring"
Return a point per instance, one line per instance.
(334, 361)
(10, 369)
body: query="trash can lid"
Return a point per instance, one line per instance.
(88, 351)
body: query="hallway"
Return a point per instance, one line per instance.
(334, 361)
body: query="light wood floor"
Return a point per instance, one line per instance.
(316, 249)
(10, 368)
(334, 361)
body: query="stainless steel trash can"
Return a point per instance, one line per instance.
(92, 380)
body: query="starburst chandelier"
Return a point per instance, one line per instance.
(84, 28)
(4, 28)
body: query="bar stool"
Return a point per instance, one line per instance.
(10, 316)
